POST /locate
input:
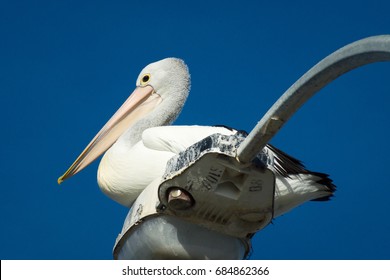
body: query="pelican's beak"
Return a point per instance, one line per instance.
(142, 101)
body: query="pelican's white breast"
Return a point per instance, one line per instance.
(124, 172)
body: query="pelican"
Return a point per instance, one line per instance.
(138, 142)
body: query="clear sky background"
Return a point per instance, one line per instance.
(66, 66)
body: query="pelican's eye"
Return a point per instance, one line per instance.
(145, 79)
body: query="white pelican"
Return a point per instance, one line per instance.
(138, 143)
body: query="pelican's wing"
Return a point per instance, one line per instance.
(292, 168)
(285, 164)
(177, 138)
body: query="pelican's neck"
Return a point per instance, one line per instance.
(166, 113)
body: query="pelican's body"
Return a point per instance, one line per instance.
(138, 143)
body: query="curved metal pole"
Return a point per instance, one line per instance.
(354, 55)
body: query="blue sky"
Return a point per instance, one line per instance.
(66, 66)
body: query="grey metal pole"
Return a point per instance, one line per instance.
(354, 55)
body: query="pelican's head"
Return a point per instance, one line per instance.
(164, 83)
(166, 76)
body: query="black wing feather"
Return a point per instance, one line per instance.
(287, 165)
